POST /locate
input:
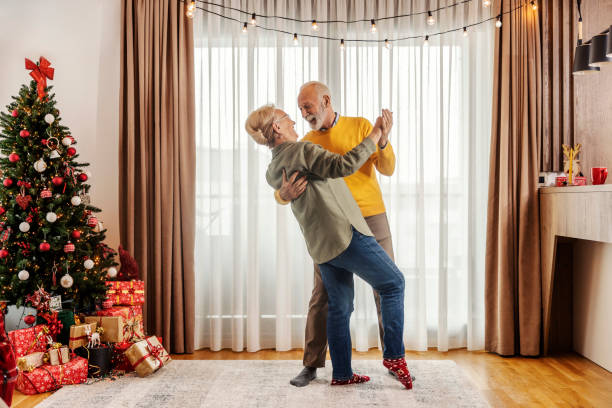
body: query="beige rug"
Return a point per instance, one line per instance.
(245, 384)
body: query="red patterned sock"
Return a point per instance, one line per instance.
(400, 370)
(355, 380)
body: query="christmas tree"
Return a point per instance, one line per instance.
(49, 235)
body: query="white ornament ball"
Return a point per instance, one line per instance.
(24, 227)
(75, 200)
(51, 217)
(49, 118)
(66, 281)
(23, 275)
(40, 165)
(88, 264)
(112, 272)
(66, 141)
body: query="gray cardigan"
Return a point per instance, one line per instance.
(326, 210)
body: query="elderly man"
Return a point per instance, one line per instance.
(338, 134)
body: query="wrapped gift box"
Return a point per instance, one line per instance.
(99, 359)
(129, 293)
(8, 366)
(147, 356)
(59, 355)
(30, 361)
(30, 340)
(112, 325)
(78, 334)
(133, 329)
(50, 378)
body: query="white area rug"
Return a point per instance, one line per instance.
(241, 383)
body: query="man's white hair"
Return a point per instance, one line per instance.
(320, 88)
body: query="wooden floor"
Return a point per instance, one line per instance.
(567, 380)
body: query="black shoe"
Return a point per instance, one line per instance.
(393, 374)
(304, 377)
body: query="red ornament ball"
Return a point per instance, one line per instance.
(44, 246)
(71, 151)
(92, 221)
(14, 113)
(2, 210)
(76, 234)
(29, 319)
(43, 141)
(69, 247)
(82, 177)
(57, 180)
(7, 182)
(4, 253)
(24, 133)
(13, 157)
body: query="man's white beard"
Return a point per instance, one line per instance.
(317, 124)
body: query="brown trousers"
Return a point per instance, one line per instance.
(315, 347)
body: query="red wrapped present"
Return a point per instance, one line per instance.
(50, 378)
(8, 367)
(30, 340)
(133, 329)
(129, 293)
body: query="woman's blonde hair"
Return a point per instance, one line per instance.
(259, 125)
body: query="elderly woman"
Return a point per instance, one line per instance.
(337, 236)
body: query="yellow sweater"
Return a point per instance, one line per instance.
(341, 138)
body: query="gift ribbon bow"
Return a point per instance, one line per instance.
(153, 351)
(40, 73)
(45, 330)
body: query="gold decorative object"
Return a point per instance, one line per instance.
(571, 164)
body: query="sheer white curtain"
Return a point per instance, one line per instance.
(253, 273)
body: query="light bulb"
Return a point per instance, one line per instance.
(253, 19)
(430, 18)
(244, 28)
(373, 28)
(426, 42)
(534, 6)
(315, 27)
(486, 3)
(387, 44)
(190, 9)
(498, 23)
(465, 32)
(295, 39)
(342, 44)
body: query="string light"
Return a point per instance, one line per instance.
(498, 22)
(190, 9)
(430, 18)
(426, 42)
(253, 19)
(342, 44)
(295, 39)
(373, 28)
(315, 27)
(387, 44)
(486, 3)
(465, 32)
(534, 6)
(244, 28)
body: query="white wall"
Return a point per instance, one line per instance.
(82, 41)
(592, 282)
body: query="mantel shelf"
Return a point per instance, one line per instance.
(576, 189)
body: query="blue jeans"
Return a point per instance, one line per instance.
(366, 259)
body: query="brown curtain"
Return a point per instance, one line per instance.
(558, 19)
(157, 162)
(512, 265)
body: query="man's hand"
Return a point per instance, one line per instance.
(385, 126)
(292, 188)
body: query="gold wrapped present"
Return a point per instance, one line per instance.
(31, 361)
(147, 356)
(58, 354)
(112, 325)
(78, 334)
